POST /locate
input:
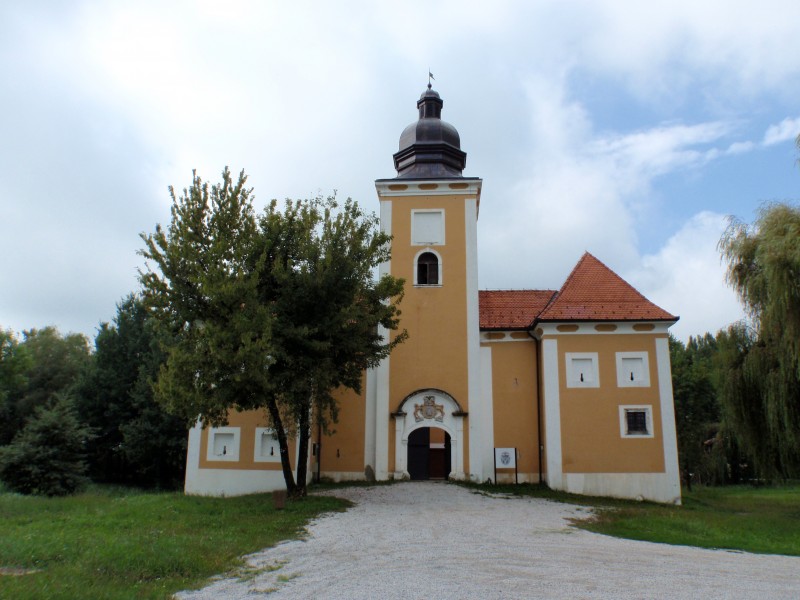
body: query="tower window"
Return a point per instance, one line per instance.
(427, 269)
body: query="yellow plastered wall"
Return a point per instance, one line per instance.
(435, 353)
(590, 424)
(343, 446)
(246, 421)
(514, 393)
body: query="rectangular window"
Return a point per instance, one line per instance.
(636, 421)
(427, 227)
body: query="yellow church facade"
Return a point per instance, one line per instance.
(571, 387)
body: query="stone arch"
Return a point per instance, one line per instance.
(429, 408)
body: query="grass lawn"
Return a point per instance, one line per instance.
(120, 543)
(753, 519)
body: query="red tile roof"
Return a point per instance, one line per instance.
(593, 292)
(511, 309)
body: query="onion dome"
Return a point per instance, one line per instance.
(430, 148)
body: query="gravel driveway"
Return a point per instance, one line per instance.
(434, 540)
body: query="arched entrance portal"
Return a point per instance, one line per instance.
(438, 413)
(429, 454)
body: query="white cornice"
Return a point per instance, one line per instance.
(429, 187)
(591, 328)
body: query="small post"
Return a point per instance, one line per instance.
(279, 499)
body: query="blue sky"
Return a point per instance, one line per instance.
(621, 128)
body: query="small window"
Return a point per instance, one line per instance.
(427, 269)
(636, 421)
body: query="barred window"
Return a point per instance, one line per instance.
(636, 421)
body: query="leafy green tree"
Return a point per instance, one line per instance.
(696, 409)
(35, 370)
(762, 395)
(47, 456)
(137, 441)
(14, 364)
(268, 312)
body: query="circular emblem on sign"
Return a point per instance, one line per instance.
(505, 457)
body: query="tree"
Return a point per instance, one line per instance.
(762, 396)
(47, 456)
(40, 367)
(136, 441)
(14, 364)
(269, 312)
(696, 408)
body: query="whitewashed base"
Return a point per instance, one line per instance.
(656, 487)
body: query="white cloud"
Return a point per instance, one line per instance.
(788, 129)
(582, 191)
(660, 150)
(687, 278)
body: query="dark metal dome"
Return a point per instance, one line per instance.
(430, 147)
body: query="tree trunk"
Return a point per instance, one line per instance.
(283, 444)
(304, 431)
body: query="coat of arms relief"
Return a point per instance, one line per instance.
(429, 410)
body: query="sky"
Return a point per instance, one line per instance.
(626, 129)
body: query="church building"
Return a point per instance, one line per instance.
(571, 387)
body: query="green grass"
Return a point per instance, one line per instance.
(119, 543)
(752, 519)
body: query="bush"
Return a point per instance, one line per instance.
(47, 456)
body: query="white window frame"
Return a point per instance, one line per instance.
(232, 453)
(414, 241)
(261, 432)
(623, 422)
(441, 273)
(573, 374)
(623, 378)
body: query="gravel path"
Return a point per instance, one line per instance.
(434, 540)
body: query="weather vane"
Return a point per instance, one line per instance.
(430, 77)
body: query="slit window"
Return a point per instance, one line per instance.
(223, 444)
(633, 369)
(267, 448)
(582, 370)
(427, 269)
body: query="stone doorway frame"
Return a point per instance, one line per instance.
(442, 412)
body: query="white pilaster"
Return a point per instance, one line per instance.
(552, 409)
(382, 374)
(487, 400)
(668, 420)
(479, 450)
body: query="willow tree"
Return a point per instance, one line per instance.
(761, 395)
(272, 311)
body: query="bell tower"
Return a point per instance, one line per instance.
(431, 210)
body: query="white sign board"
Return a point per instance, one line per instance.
(505, 458)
